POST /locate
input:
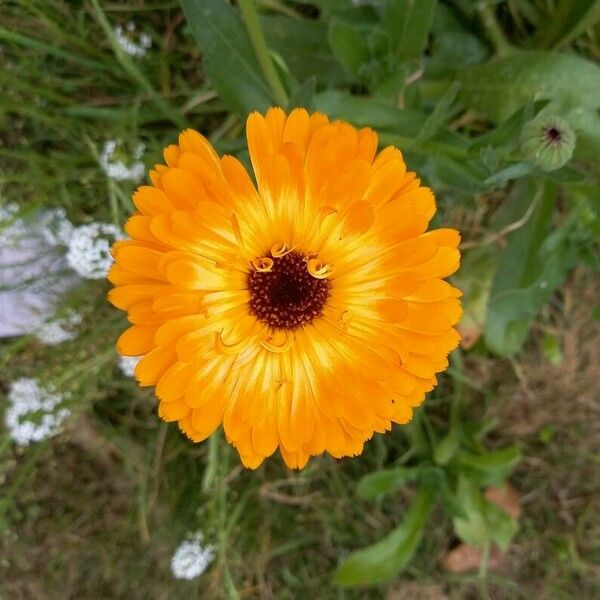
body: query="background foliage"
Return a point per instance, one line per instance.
(97, 512)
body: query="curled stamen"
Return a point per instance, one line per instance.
(344, 320)
(222, 347)
(318, 269)
(280, 249)
(263, 264)
(278, 341)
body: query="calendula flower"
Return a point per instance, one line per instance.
(304, 312)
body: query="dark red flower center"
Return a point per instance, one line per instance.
(287, 296)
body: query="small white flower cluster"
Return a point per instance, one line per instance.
(51, 225)
(57, 331)
(116, 168)
(191, 558)
(127, 364)
(33, 413)
(89, 249)
(125, 39)
(55, 227)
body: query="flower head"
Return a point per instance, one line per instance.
(304, 313)
(120, 167)
(55, 227)
(33, 413)
(130, 42)
(191, 558)
(59, 329)
(127, 365)
(89, 249)
(548, 141)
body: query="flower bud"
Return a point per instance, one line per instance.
(548, 141)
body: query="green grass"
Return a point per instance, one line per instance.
(98, 511)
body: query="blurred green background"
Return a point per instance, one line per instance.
(492, 491)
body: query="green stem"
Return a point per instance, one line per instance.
(494, 32)
(483, 570)
(250, 18)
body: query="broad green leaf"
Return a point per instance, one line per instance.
(586, 123)
(483, 522)
(447, 447)
(229, 58)
(529, 271)
(461, 175)
(367, 112)
(489, 468)
(500, 87)
(408, 23)
(472, 528)
(303, 96)
(390, 555)
(513, 171)
(474, 278)
(440, 114)
(502, 527)
(304, 46)
(385, 481)
(348, 46)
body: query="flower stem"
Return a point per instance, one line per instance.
(250, 18)
(494, 32)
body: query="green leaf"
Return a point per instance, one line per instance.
(385, 481)
(348, 46)
(408, 23)
(569, 20)
(367, 112)
(489, 468)
(474, 278)
(500, 87)
(229, 58)
(440, 114)
(303, 96)
(502, 527)
(304, 47)
(484, 521)
(513, 171)
(390, 555)
(586, 123)
(472, 528)
(529, 271)
(447, 447)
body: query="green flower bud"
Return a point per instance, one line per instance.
(548, 141)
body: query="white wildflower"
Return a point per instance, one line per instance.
(89, 249)
(127, 364)
(126, 38)
(55, 227)
(191, 558)
(33, 413)
(59, 330)
(116, 168)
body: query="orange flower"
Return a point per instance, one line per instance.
(303, 313)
